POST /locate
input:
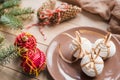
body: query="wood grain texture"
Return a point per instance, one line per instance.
(83, 19)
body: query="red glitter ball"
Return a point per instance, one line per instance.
(25, 40)
(33, 61)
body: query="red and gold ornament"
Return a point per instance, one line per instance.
(33, 61)
(25, 40)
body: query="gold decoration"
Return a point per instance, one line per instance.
(66, 14)
(48, 16)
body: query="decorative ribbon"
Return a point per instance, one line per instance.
(77, 43)
(47, 14)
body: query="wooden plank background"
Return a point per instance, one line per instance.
(82, 19)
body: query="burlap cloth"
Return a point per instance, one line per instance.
(115, 20)
(109, 10)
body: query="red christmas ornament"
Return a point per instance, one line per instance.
(33, 61)
(25, 40)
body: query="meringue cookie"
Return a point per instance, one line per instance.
(86, 46)
(80, 45)
(105, 51)
(92, 66)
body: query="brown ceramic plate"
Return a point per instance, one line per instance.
(61, 70)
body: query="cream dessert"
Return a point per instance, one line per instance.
(80, 45)
(105, 47)
(92, 65)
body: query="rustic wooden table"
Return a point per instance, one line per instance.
(12, 71)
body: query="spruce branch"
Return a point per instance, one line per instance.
(11, 21)
(22, 14)
(6, 54)
(1, 13)
(9, 3)
(25, 17)
(1, 1)
(2, 38)
(18, 11)
(12, 16)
